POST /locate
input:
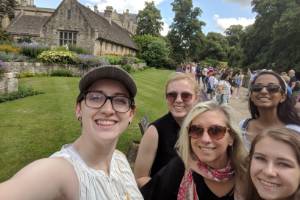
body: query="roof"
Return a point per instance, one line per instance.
(27, 25)
(111, 32)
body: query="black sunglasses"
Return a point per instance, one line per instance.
(215, 132)
(185, 96)
(271, 88)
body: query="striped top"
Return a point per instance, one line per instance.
(96, 184)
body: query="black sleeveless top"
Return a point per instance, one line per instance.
(168, 130)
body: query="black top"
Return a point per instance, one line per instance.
(167, 129)
(165, 184)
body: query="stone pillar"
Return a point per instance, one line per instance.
(12, 82)
(8, 83)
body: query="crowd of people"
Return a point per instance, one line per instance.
(195, 151)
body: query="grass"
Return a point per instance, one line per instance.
(37, 126)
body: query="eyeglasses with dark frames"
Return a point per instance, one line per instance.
(96, 99)
(215, 132)
(185, 96)
(271, 88)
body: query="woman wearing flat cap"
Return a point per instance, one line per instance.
(90, 168)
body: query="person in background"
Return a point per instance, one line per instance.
(211, 159)
(293, 79)
(274, 167)
(239, 78)
(157, 145)
(269, 106)
(223, 89)
(287, 79)
(90, 168)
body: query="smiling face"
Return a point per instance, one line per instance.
(210, 151)
(274, 171)
(265, 98)
(104, 123)
(180, 106)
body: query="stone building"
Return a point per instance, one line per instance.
(74, 24)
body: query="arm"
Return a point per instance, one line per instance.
(145, 156)
(40, 180)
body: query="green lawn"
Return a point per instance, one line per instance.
(36, 126)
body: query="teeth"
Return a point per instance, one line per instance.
(206, 148)
(105, 122)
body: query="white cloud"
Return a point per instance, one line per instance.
(166, 28)
(121, 5)
(241, 2)
(224, 23)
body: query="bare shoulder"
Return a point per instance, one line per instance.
(150, 134)
(42, 178)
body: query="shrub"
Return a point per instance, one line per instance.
(78, 50)
(21, 93)
(58, 56)
(25, 74)
(127, 68)
(12, 57)
(32, 50)
(24, 40)
(85, 61)
(7, 48)
(62, 72)
(154, 50)
(4, 36)
(113, 60)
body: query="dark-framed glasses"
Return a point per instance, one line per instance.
(96, 99)
(271, 88)
(215, 132)
(185, 96)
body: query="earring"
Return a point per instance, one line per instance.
(79, 118)
(129, 123)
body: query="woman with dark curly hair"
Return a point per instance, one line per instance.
(269, 105)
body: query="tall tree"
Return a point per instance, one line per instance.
(186, 30)
(149, 20)
(274, 38)
(234, 35)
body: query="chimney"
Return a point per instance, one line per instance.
(108, 13)
(96, 9)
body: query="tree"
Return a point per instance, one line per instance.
(234, 34)
(185, 31)
(7, 7)
(274, 39)
(152, 49)
(216, 46)
(149, 20)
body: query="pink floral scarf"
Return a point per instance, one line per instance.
(187, 188)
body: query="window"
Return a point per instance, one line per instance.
(69, 13)
(67, 37)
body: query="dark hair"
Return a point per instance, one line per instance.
(224, 76)
(285, 135)
(286, 110)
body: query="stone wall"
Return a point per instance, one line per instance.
(42, 68)
(8, 83)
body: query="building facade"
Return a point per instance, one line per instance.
(74, 24)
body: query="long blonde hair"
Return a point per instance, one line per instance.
(236, 153)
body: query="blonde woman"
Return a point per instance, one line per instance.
(157, 145)
(211, 158)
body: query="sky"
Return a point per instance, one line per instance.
(217, 14)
